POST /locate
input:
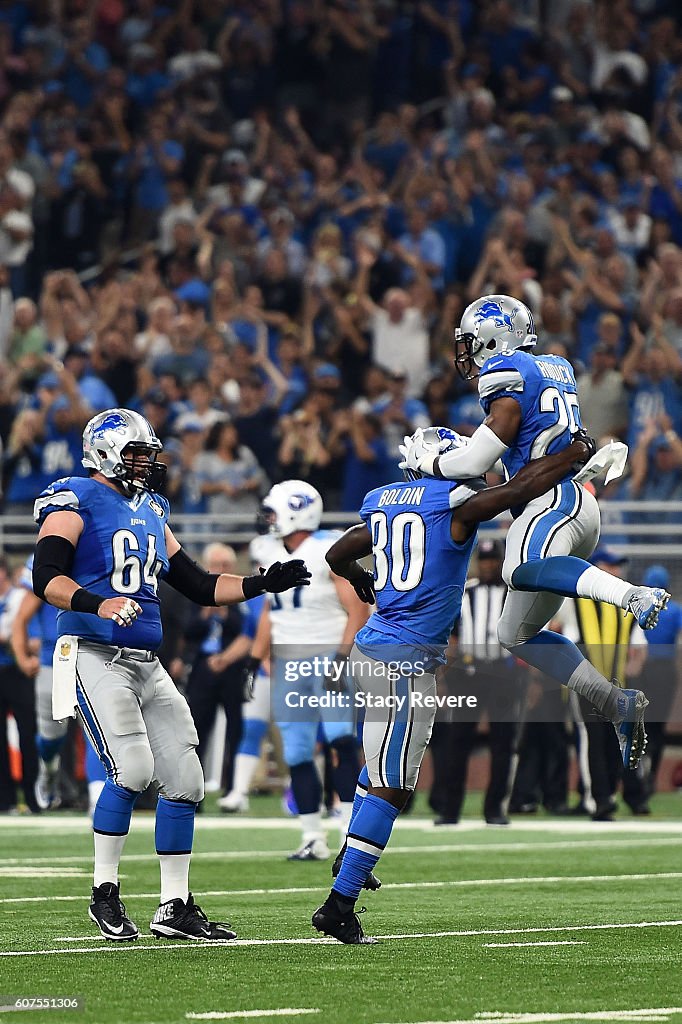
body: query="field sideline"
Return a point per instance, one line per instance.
(550, 920)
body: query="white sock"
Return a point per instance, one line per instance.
(312, 826)
(244, 770)
(94, 790)
(108, 850)
(602, 586)
(174, 876)
(346, 808)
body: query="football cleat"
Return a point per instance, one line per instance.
(314, 849)
(109, 914)
(371, 882)
(344, 925)
(630, 727)
(179, 920)
(46, 787)
(646, 604)
(234, 803)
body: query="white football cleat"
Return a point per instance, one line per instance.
(234, 803)
(313, 849)
(647, 603)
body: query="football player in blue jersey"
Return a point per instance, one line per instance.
(531, 407)
(103, 543)
(421, 533)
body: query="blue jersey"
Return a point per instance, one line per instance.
(120, 553)
(419, 571)
(43, 625)
(545, 388)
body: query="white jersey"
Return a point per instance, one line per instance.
(305, 615)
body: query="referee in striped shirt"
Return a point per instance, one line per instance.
(482, 669)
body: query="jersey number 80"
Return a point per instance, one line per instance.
(399, 553)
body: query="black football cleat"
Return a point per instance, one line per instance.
(342, 924)
(371, 882)
(109, 914)
(179, 920)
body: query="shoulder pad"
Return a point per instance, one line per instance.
(502, 373)
(461, 493)
(62, 494)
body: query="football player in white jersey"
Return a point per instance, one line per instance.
(320, 623)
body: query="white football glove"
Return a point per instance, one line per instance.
(418, 453)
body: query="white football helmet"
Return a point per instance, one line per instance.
(428, 441)
(492, 325)
(290, 506)
(122, 446)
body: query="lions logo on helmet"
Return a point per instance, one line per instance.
(291, 506)
(122, 446)
(493, 311)
(493, 325)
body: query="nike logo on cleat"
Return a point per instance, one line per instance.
(116, 929)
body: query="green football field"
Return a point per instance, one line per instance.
(549, 920)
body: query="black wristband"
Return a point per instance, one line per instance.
(86, 601)
(253, 586)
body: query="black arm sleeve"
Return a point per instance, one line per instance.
(191, 580)
(53, 557)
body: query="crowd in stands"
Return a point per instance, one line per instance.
(257, 221)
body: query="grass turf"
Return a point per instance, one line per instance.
(433, 978)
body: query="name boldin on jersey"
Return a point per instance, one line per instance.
(402, 496)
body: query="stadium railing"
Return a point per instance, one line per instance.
(638, 529)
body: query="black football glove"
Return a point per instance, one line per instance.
(363, 585)
(589, 442)
(279, 577)
(251, 666)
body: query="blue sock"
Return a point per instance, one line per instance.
(48, 749)
(558, 574)
(360, 794)
(371, 831)
(114, 810)
(174, 832)
(553, 653)
(253, 732)
(346, 768)
(306, 787)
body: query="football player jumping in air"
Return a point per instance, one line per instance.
(103, 542)
(421, 533)
(531, 407)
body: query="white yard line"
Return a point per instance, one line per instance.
(161, 946)
(555, 942)
(244, 1014)
(212, 823)
(653, 1014)
(500, 847)
(458, 883)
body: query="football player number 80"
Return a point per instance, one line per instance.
(400, 555)
(129, 569)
